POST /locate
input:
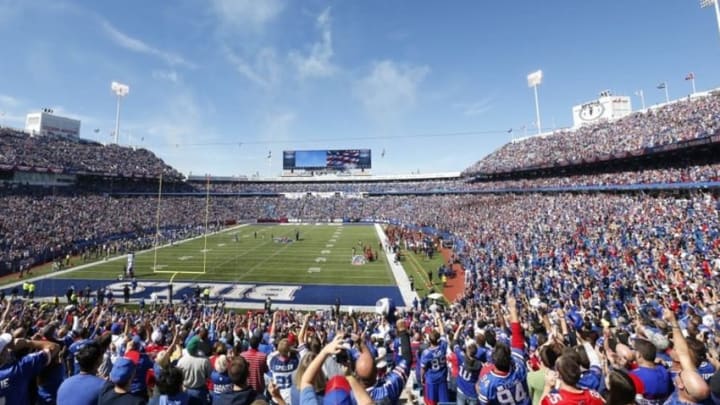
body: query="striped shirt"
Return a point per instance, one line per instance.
(257, 367)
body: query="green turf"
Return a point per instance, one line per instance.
(322, 256)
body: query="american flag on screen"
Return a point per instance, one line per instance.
(343, 158)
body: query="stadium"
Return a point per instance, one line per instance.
(575, 265)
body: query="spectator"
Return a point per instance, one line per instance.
(117, 390)
(242, 393)
(196, 370)
(83, 388)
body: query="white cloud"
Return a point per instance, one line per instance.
(278, 126)
(476, 108)
(390, 89)
(8, 101)
(244, 14)
(133, 44)
(263, 71)
(317, 62)
(167, 75)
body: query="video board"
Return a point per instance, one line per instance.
(337, 159)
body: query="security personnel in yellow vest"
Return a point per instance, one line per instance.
(31, 290)
(26, 289)
(206, 295)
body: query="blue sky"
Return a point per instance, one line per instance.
(216, 84)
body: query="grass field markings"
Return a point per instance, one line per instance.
(221, 244)
(205, 250)
(325, 252)
(333, 240)
(314, 270)
(329, 245)
(158, 267)
(245, 252)
(262, 262)
(320, 259)
(184, 258)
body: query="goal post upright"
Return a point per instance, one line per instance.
(157, 223)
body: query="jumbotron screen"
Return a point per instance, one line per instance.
(342, 159)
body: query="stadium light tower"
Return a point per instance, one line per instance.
(708, 3)
(120, 90)
(534, 79)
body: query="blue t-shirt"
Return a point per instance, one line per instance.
(308, 397)
(657, 382)
(17, 375)
(81, 389)
(221, 383)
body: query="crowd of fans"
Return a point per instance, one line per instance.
(568, 298)
(683, 120)
(20, 151)
(333, 187)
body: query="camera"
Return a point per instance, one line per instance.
(343, 357)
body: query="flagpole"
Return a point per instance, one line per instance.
(667, 96)
(693, 82)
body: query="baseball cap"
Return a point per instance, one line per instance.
(337, 391)
(122, 371)
(193, 344)
(381, 358)
(5, 339)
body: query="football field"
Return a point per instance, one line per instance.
(261, 253)
(305, 264)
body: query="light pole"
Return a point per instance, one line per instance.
(640, 93)
(534, 79)
(708, 3)
(120, 90)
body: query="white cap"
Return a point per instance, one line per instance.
(5, 339)
(381, 357)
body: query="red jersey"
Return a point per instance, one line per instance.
(562, 397)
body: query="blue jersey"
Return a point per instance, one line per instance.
(657, 382)
(388, 389)
(73, 349)
(467, 378)
(282, 370)
(591, 379)
(16, 376)
(706, 370)
(221, 383)
(508, 389)
(434, 363)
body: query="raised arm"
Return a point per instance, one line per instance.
(518, 339)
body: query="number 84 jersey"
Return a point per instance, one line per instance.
(497, 388)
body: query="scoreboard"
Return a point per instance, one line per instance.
(336, 159)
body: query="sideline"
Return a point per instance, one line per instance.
(112, 259)
(401, 278)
